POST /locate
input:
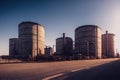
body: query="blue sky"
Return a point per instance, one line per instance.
(57, 16)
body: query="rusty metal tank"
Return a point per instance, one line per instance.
(64, 45)
(31, 39)
(108, 45)
(88, 40)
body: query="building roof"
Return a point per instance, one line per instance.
(85, 26)
(29, 22)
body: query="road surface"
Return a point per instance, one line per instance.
(48, 70)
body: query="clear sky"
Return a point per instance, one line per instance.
(57, 16)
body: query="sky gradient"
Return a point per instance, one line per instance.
(58, 16)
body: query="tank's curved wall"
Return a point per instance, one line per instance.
(108, 45)
(31, 39)
(88, 40)
(64, 48)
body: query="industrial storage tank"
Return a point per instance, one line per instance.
(88, 40)
(31, 39)
(108, 45)
(13, 47)
(64, 45)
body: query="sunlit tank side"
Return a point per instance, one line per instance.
(108, 45)
(88, 40)
(31, 39)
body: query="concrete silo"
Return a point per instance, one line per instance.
(31, 39)
(108, 45)
(88, 40)
(64, 45)
(13, 47)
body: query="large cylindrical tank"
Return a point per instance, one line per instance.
(31, 39)
(64, 45)
(13, 47)
(108, 45)
(88, 40)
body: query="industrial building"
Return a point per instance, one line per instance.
(64, 45)
(48, 51)
(31, 36)
(108, 45)
(88, 41)
(30, 40)
(13, 47)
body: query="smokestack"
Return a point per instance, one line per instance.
(63, 42)
(107, 42)
(106, 32)
(63, 39)
(63, 35)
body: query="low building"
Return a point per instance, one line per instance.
(13, 47)
(48, 51)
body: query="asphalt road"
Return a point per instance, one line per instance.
(52, 70)
(109, 71)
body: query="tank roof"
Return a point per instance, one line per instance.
(65, 37)
(87, 26)
(13, 38)
(29, 22)
(108, 34)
